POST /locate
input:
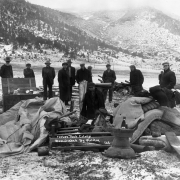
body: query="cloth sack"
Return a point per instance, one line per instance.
(82, 92)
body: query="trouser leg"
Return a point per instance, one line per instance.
(45, 90)
(70, 92)
(161, 98)
(50, 90)
(105, 94)
(110, 94)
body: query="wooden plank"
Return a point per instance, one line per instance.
(69, 128)
(68, 131)
(87, 133)
(81, 147)
(61, 140)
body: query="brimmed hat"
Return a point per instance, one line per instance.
(64, 63)
(82, 64)
(165, 63)
(89, 67)
(7, 59)
(28, 63)
(90, 85)
(108, 65)
(132, 66)
(47, 62)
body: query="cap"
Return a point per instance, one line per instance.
(132, 66)
(7, 59)
(48, 62)
(165, 63)
(28, 63)
(91, 84)
(108, 65)
(64, 63)
(89, 67)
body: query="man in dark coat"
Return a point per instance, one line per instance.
(83, 74)
(71, 72)
(64, 83)
(136, 80)
(6, 69)
(93, 100)
(28, 72)
(163, 93)
(109, 76)
(168, 78)
(90, 70)
(48, 74)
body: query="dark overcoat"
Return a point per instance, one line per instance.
(109, 76)
(73, 76)
(168, 79)
(6, 71)
(91, 104)
(64, 84)
(48, 74)
(136, 78)
(29, 73)
(83, 74)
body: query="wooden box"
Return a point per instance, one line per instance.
(11, 84)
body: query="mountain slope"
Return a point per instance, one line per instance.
(142, 31)
(23, 22)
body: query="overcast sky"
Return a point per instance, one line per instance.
(171, 6)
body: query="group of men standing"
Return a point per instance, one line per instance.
(67, 76)
(6, 70)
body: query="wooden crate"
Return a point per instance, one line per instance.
(11, 100)
(11, 84)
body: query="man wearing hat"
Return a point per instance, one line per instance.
(93, 100)
(109, 76)
(64, 83)
(6, 69)
(136, 80)
(48, 74)
(168, 78)
(28, 72)
(163, 93)
(83, 74)
(71, 72)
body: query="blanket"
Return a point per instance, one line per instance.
(131, 109)
(22, 127)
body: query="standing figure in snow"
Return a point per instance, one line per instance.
(64, 83)
(28, 72)
(109, 76)
(6, 69)
(48, 74)
(136, 79)
(72, 75)
(168, 78)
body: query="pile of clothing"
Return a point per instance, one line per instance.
(155, 121)
(22, 127)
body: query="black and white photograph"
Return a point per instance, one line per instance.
(90, 90)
